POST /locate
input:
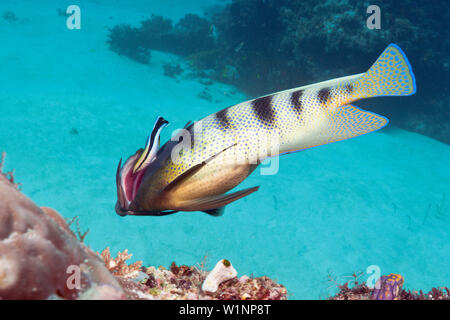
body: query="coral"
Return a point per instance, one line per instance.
(193, 34)
(126, 40)
(157, 33)
(102, 292)
(8, 175)
(37, 251)
(442, 293)
(42, 258)
(222, 272)
(80, 235)
(185, 283)
(387, 288)
(118, 265)
(172, 70)
(246, 288)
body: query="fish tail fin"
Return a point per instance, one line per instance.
(390, 75)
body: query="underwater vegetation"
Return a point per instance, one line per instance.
(265, 46)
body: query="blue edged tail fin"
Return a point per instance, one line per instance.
(390, 75)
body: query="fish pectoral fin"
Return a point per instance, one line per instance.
(182, 177)
(190, 172)
(215, 212)
(215, 204)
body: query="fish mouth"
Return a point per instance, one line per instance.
(129, 177)
(128, 183)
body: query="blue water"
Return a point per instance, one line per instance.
(71, 108)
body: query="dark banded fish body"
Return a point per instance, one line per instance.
(222, 149)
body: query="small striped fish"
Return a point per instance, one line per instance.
(206, 159)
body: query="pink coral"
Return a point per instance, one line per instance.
(36, 250)
(118, 266)
(40, 257)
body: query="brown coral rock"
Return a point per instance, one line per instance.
(36, 250)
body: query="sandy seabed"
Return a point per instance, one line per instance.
(70, 109)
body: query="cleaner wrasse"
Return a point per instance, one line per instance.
(222, 149)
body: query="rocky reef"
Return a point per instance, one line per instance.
(388, 287)
(38, 253)
(42, 258)
(266, 46)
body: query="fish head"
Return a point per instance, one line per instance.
(129, 177)
(127, 183)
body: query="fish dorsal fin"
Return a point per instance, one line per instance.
(210, 204)
(215, 212)
(190, 172)
(187, 124)
(151, 146)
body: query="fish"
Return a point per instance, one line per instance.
(151, 148)
(195, 169)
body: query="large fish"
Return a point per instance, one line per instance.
(194, 170)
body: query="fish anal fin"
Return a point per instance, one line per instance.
(345, 122)
(216, 202)
(215, 212)
(350, 121)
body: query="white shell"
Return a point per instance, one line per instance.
(223, 271)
